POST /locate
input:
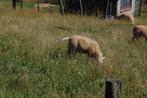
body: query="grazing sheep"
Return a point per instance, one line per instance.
(139, 31)
(127, 17)
(85, 45)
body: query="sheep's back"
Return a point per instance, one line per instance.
(83, 44)
(142, 28)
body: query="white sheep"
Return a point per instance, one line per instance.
(139, 31)
(85, 45)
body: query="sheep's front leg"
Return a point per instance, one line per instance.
(135, 36)
(71, 49)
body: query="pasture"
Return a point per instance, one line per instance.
(33, 62)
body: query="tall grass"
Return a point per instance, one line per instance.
(33, 62)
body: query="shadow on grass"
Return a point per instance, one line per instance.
(63, 28)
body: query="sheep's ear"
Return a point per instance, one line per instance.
(103, 58)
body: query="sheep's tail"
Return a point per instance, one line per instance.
(65, 38)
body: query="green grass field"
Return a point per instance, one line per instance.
(33, 62)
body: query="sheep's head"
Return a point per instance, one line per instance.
(100, 60)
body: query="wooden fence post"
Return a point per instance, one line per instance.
(140, 7)
(61, 7)
(38, 8)
(113, 89)
(81, 7)
(13, 4)
(21, 1)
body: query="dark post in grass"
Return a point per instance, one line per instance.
(81, 7)
(21, 1)
(14, 3)
(140, 5)
(61, 7)
(113, 89)
(38, 8)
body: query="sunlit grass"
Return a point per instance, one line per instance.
(33, 62)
